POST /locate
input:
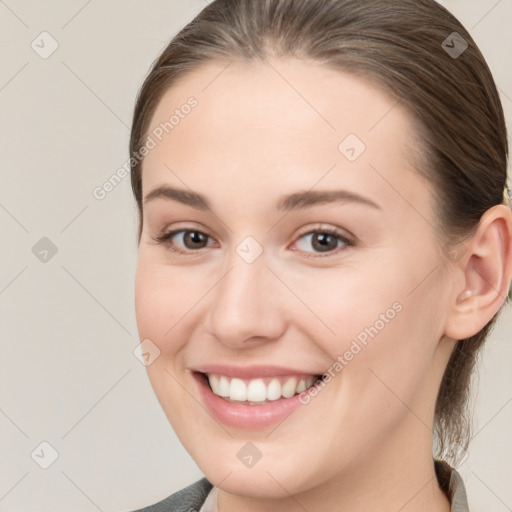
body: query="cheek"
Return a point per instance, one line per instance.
(383, 328)
(352, 305)
(387, 364)
(163, 299)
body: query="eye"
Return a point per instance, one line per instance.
(323, 240)
(191, 239)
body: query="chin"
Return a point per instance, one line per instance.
(255, 483)
(273, 476)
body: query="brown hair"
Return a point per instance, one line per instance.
(407, 47)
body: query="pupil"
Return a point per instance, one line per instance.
(323, 240)
(195, 237)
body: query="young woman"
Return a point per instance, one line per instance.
(324, 246)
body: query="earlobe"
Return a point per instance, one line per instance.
(486, 270)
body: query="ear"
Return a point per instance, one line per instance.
(483, 274)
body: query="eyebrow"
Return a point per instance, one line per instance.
(296, 201)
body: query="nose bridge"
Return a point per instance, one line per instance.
(244, 302)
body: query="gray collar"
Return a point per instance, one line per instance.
(451, 483)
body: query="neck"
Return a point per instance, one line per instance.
(399, 476)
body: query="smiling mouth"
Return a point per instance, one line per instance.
(259, 391)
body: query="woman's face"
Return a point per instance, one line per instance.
(311, 251)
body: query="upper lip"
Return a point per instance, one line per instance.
(250, 372)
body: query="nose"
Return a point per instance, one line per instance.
(246, 306)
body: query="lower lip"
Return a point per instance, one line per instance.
(245, 416)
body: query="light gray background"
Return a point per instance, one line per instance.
(68, 373)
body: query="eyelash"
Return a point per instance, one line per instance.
(165, 240)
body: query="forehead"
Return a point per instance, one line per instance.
(279, 122)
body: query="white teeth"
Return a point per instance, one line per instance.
(214, 383)
(223, 387)
(256, 390)
(273, 390)
(310, 381)
(289, 387)
(238, 390)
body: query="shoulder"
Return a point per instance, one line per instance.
(187, 499)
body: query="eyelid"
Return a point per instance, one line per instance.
(165, 239)
(325, 228)
(347, 239)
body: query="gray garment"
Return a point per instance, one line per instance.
(451, 483)
(191, 498)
